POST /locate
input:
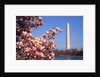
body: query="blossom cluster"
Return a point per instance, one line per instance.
(29, 47)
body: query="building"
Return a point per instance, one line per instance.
(68, 36)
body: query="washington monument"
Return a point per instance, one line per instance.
(68, 36)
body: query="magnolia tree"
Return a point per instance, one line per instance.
(30, 47)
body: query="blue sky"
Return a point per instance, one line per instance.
(76, 30)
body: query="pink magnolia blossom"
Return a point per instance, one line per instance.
(37, 54)
(58, 29)
(42, 55)
(33, 49)
(29, 35)
(24, 33)
(51, 42)
(37, 23)
(40, 18)
(29, 46)
(20, 43)
(47, 32)
(52, 54)
(54, 31)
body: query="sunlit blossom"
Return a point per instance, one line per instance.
(32, 47)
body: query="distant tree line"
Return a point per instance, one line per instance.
(71, 52)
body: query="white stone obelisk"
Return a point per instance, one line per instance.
(68, 36)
